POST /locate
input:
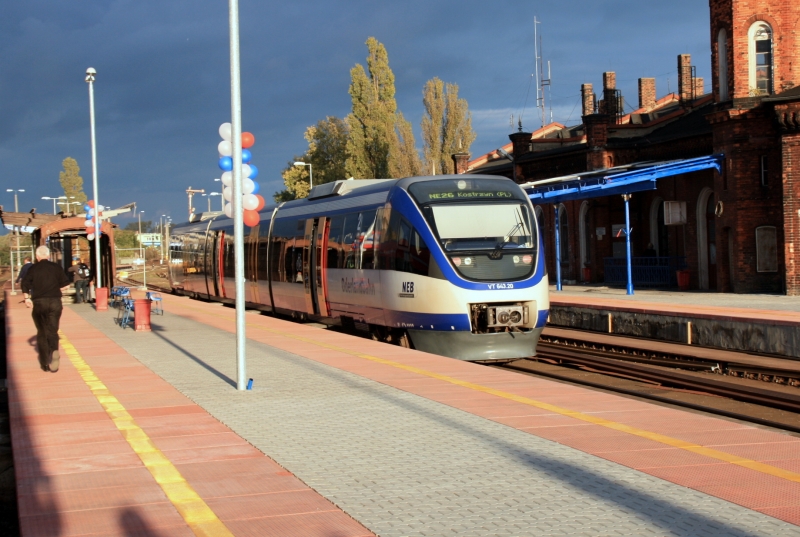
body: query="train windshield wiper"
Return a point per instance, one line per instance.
(497, 253)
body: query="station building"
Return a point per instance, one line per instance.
(736, 230)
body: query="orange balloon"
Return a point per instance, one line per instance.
(250, 218)
(247, 140)
(261, 202)
(89, 230)
(90, 203)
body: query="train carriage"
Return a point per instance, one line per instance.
(449, 264)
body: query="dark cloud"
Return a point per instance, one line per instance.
(163, 77)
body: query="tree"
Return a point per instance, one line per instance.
(446, 126)
(71, 181)
(379, 135)
(327, 154)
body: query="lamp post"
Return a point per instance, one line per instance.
(310, 173)
(221, 192)
(54, 201)
(209, 200)
(16, 232)
(91, 73)
(70, 204)
(142, 255)
(191, 192)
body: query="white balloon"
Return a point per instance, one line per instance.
(89, 223)
(225, 131)
(90, 236)
(248, 186)
(229, 210)
(91, 212)
(101, 208)
(227, 178)
(225, 149)
(249, 202)
(246, 170)
(227, 193)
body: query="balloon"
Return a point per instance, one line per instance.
(101, 208)
(227, 193)
(225, 163)
(253, 171)
(89, 230)
(249, 202)
(86, 208)
(90, 236)
(225, 131)
(247, 156)
(89, 223)
(246, 170)
(229, 210)
(90, 203)
(227, 178)
(225, 148)
(247, 186)
(261, 203)
(91, 212)
(251, 218)
(256, 188)
(248, 140)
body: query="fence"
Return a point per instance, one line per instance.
(646, 271)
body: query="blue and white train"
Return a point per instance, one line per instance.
(451, 265)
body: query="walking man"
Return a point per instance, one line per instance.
(42, 287)
(25, 266)
(82, 276)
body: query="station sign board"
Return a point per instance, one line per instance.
(149, 239)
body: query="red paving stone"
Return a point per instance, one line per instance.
(76, 475)
(749, 488)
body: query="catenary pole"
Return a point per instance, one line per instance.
(90, 75)
(238, 221)
(558, 249)
(627, 198)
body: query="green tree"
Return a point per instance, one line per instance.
(446, 126)
(327, 154)
(379, 135)
(71, 181)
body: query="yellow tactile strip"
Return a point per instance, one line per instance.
(197, 514)
(655, 437)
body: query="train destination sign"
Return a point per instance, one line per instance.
(465, 189)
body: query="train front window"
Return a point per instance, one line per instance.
(467, 226)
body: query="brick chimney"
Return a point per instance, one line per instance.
(587, 97)
(521, 142)
(699, 87)
(611, 104)
(461, 161)
(685, 77)
(647, 93)
(609, 80)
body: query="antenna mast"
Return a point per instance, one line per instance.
(541, 81)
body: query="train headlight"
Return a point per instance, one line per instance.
(468, 261)
(457, 261)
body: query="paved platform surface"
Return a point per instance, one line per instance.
(413, 444)
(780, 308)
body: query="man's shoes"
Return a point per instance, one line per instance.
(45, 368)
(54, 361)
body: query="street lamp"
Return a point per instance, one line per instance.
(222, 191)
(209, 200)
(69, 204)
(54, 201)
(90, 76)
(310, 174)
(16, 232)
(142, 255)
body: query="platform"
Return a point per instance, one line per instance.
(383, 439)
(764, 324)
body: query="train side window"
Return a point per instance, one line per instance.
(388, 242)
(335, 242)
(366, 240)
(420, 255)
(350, 240)
(402, 253)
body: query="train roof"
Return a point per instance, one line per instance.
(336, 195)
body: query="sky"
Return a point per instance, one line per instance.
(163, 79)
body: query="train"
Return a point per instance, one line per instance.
(448, 264)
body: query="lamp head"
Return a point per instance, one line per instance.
(299, 163)
(90, 74)
(505, 153)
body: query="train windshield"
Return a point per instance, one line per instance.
(485, 226)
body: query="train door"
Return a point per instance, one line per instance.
(310, 264)
(251, 266)
(213, 256)
(321, 265)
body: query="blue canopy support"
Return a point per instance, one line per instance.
(622, 180)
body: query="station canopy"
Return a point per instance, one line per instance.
(636, 177)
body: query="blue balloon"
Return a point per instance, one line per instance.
(247, 156)
(226, 164)
(253, 171)
(256, 188)
(86, 208)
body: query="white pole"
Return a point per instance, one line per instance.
(238, 222)
(90, 74)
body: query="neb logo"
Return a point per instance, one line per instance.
(408, 287)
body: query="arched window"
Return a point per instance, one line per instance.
(722, 62)
(760, 38)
